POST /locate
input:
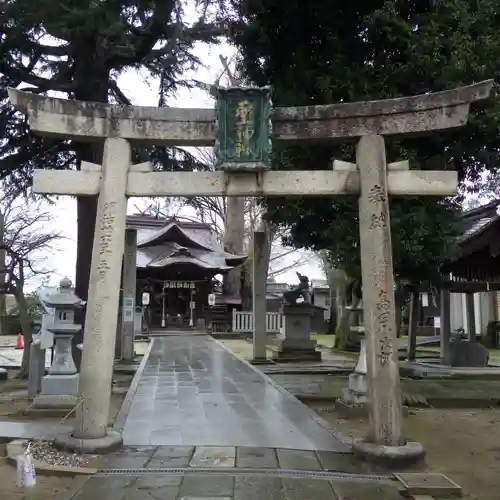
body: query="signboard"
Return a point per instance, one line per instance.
(192, 305)
(179, 284)
(128, 314)
(425, 299)
(243, 128)
(437, 322)
(128, 302)
(211, 299)
(145, 299)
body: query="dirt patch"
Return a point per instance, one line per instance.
(463, 444)
(12, 410)
(46, 487)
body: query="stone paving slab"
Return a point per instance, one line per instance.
(231, 486)
(31, 430)
(213, 456)
(192, 392)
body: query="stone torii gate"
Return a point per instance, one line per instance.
(121, 128)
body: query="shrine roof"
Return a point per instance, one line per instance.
(167, 242)
(479, 257)
(479, 219)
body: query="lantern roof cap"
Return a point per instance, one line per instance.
(64, 297)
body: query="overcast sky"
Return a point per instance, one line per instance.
(143, 92)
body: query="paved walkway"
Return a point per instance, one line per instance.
(203, 473)
(205, 425)
(193, 391)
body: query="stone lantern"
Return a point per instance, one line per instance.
(60, 386)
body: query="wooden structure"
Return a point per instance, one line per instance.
(176, 263)
(475, 269)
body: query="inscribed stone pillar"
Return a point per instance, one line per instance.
(445, 327)
(104, 290)
(234, 238)
(471, 316)
(378, 294)
(129, 295)
(259, 280)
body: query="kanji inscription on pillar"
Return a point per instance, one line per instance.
(378, 292)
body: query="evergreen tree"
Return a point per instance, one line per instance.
(79, 48)
(318, 53)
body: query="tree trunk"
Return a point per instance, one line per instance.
(25, 321)
(234, 237)
(92, 77)
(3, 303)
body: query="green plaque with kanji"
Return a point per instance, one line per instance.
(243, 128)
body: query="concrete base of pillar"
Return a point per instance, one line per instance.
(110, 442)
(347, 407)
(350, 409)
(395, 457)
(261, 361)
(64, 384)
(290, 354)
(357, 390)
(55, 401)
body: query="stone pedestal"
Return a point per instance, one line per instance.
(295, 341)
(60, 387)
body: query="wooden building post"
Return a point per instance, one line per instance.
(412, 324)
(471, 316)
(445, 346)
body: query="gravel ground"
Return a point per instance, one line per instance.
(43, 450)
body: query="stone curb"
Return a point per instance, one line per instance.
(120, 419)
(15, 448)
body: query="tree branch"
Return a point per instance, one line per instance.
(13, 70)
(119, 95)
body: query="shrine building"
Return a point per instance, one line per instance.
(177, 261)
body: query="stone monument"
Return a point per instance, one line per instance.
(60, 386)
(295, 341)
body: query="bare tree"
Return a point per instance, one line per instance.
(27, 243)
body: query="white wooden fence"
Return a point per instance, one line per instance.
(243, 321)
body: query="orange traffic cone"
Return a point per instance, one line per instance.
(19, 341)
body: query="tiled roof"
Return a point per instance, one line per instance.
(478, 219)
(166, 242)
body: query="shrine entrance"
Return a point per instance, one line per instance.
(174, 304)
(241, 128)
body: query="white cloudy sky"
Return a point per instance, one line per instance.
(143, 92)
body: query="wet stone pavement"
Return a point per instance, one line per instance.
(204, 425)
(228, 473)
(193, 391)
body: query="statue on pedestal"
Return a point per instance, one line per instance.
(290, 297)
